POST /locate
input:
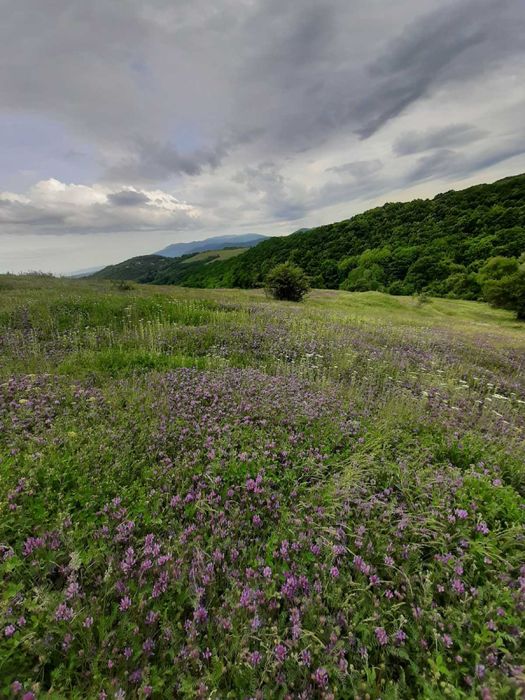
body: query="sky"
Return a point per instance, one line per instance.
(131, 124)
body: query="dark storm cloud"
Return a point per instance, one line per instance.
(452, 135)
(297, 73)
(128, 198)
(449, 44)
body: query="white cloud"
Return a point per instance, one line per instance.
(52, 207)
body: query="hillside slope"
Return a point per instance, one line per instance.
(246, 240)
(143, 268)
(155, 269)
(424, 245)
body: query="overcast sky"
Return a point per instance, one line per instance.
(126, 125)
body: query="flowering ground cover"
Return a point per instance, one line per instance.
(210, 495)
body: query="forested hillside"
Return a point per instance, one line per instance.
(436, 246)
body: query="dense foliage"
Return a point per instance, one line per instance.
(287, 282)
(436, 246)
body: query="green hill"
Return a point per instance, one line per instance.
(434, 245)
(157, 269)
(143, 268)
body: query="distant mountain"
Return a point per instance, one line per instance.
(245, 240)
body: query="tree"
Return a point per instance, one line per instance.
(497, 268)
(287, 282)
(364, 279)
(507, 293)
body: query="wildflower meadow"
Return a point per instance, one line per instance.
(208, 494)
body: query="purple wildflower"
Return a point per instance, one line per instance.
(125, 603)
(200, 615)
(447, 640)
(63, 613)
(255, 658)
(305, 658)
(280, 652)
(321, 677)
(457, 586)
(381, 636)
(400, 637)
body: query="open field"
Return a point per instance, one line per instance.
(205, 493)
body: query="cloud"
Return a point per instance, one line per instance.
(452, 135)
(157, 162)
(446, 162)
(54, 207)
(449, 44)
(145, 117)
(357, 168)
(128, 198)
(276, 195)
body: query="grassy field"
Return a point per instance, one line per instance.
(207, 494)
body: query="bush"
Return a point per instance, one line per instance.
(287, 282)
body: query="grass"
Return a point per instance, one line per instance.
(205, 493)
(224, 254)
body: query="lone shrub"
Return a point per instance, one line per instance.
(287, 282)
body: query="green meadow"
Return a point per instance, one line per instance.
(207, 493)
